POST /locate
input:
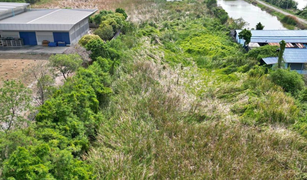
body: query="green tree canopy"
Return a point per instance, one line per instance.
(121, 11)
(86, 38)
(246, 35)
(281, 53)
(259, 26)
(15, 100)
(65, 63)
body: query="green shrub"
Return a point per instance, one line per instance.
(86, 38)
(102, 49)
(105, 32)
(121, 11)
(263, 52)
(221, 14)
(290, 81)
(289, 20)
(97, 18)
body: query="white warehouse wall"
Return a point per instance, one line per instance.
(13, 34)
(79, 30)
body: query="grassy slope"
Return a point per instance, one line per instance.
(185, 108)
(171, 119)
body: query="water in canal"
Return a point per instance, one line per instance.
(250, 13)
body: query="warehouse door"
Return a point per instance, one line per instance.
(42, 36)
(29, 38)
(61, 37)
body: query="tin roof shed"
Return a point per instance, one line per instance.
(291, 55)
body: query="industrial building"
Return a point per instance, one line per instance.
(21, 25)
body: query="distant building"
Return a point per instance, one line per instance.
(295, 59)
(295, 55)
(33, 26)
(294, 38)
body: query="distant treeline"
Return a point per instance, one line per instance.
(285, 4)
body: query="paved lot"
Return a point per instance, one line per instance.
(33, 50)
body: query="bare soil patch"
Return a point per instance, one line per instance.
(14, 66)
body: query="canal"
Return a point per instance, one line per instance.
(250, 13)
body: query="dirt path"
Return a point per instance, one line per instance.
(303, 21)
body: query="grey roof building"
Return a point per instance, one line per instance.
(34, 26)
(294, 58)
(275, 36)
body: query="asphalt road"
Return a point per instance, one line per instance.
(281, 11)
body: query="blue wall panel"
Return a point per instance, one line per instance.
(61, 36)
(29, 38)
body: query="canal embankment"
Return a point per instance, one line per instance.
(289, 20)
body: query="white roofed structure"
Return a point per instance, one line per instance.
(34, 26)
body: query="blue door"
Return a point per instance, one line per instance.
(29, 38)
(62, 37)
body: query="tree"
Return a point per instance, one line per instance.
(121, 11)
(105, 31)
(102, 49)
(86, 38)
(15, 100)
(259, 26)
(44, 82)
(210, 3)
(246, 35)
(221, 14)
(65, 63)
(281, 53)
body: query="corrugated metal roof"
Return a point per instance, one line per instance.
(282, 33)
(291, 55)
(46, 20)
(278, 39)
(11, 9)
(270, 60)
(295, 55)
(6, 5)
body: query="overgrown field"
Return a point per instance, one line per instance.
(173, 97)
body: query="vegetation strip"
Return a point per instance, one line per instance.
(172, 97)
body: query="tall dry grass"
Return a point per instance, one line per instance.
(153, 131)
(138, 10)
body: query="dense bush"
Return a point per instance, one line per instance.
(289, 20)
(97, 18)
(121, 11)
(102, 49)
(221, 14)
(86, 38)
(109, 23)
(263, 52)
(105, 32)
(290, 81)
